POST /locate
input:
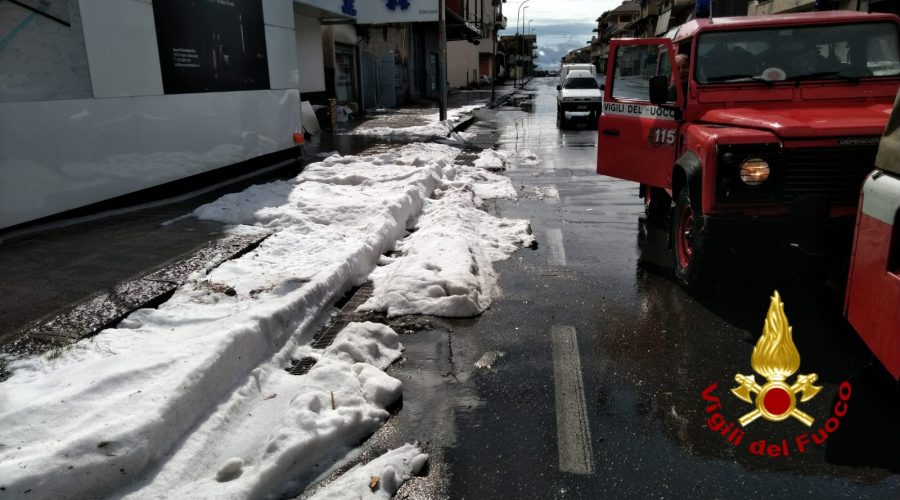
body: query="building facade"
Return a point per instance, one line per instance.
(101, 99)
(470, 56)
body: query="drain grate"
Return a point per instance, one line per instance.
(483, 141)
(466, 159)
(326, 337)
(474, 147)
(302, 366)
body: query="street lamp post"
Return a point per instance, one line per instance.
(521, 49)
(493, 57)
(530, 65)
(442, 60)
(518, 15)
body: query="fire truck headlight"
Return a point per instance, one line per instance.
(754, 171)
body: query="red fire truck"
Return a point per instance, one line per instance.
(873, 288)
(767, 133)
(771, 129)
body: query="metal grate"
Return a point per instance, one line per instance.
(354, 299)
(483, 141)
(302, 366)
(466, 159)
(474, 147)
(833, 173)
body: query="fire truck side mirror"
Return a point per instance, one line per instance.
(659, 89)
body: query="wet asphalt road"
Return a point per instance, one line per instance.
(601, 279)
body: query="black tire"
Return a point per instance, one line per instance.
(657, 204)
(689, 245)
(560, 117)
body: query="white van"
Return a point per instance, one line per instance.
(564, 70)
(578, 93)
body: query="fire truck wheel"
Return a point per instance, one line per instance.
(688, 242)
(656, 204)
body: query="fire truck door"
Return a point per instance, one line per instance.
(637, 139)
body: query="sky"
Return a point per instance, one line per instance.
(560, 25)
(156, 393)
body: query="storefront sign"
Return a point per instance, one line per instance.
(396, 11)
(211, 45)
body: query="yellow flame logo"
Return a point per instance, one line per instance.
(776, 358)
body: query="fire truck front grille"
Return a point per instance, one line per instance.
(833, 173)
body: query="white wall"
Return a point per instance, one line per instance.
(462, 60)
(310, 57)
(120, 36)
(281, 46)
(281, 54)
(41, 58)
(58, 155)
(102, 148)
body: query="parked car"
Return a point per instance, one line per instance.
(578, 93)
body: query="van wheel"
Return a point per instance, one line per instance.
(688, 241)
(656, 204)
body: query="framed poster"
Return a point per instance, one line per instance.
(211, 45)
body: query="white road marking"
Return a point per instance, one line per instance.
(557, 255)
(573, 434)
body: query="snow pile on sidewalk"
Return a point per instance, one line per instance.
(433, 127)
(340, 402)
(193, 396)
(378, 479)
(446, 265)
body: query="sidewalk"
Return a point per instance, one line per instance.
(68, 280)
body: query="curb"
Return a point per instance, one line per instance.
(88, 317)
(466, 123)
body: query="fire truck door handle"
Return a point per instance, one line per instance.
(610, 132)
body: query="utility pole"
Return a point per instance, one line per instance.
(521, 48)
(494, 53)
(518, 40)
(530, 51)
(442, 59)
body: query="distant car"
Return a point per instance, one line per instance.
(580, 92)
(553, 72)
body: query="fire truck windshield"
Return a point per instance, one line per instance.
(843, 52)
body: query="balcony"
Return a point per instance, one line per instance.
(501, 23)
(762, 8)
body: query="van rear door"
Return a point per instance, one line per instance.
(637, 139)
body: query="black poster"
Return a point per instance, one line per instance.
(211, 45)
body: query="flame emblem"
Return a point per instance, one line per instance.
(776, 358)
